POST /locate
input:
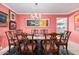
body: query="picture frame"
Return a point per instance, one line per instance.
(3, 19)
(12, 25)
(12, 15)
(42, 23)
(76, 22)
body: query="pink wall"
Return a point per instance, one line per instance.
(75, 34)
(21, 18)
(52, 18)
(3, 39)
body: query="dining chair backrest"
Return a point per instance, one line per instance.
(56, 37)
(18, 31)
(10, 35)
(44, 31)
(47, 36)
(53, 36)
(19, 36)
(49, 44)
(31, 43)
(11, 38)
(35, 31)
(66, 35)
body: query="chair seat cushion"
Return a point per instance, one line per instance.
(31, 46)
(51, 48)
(62, 42)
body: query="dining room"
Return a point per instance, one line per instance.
(39, 29)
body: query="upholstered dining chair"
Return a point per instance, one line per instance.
(27, 46)
(49, 46)
(11, 39)
(21, 45)
(31, 44)
(63, 41)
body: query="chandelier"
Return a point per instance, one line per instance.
(36, 16)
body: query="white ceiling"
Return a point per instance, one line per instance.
(43, 7)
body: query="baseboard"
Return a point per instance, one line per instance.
(73, 47)
(5, 50)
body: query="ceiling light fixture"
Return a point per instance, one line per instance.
(36, 3)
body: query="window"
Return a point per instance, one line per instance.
(61, 24)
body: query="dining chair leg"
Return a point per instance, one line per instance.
(63, 46)
(58, 50)
(9, 48)
(67, 49)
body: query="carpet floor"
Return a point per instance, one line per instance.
(38, 52)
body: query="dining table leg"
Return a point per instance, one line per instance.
(38, 46)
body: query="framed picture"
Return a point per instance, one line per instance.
(76, 21)
(12, 15)
(12, 25)
(37, 23)
(3, 19)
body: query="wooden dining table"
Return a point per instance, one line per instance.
(39, 38)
